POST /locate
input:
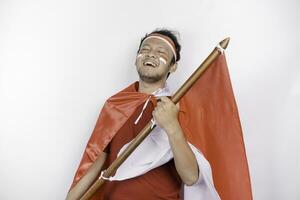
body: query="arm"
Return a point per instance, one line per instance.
(82, 186)
(166, 116)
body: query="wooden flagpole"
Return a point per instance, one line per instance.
(148, 128)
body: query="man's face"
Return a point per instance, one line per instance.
(154, 60)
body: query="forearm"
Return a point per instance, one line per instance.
(184, 158)
(166, 116)
(85, 182)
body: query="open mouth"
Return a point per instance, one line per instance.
(150, 63)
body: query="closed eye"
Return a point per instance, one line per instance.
(162, 52)
(145, 49)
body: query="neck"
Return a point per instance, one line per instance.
(149, 88)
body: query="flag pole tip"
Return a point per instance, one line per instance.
(224, 43)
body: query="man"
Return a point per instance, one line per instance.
(166, 165)
(157, 58)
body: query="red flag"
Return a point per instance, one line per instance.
(209, 118)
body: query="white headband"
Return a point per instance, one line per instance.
(166, 41)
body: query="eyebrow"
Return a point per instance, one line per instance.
(146, 45)
(159, 47)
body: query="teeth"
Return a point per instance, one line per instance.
(149, 63)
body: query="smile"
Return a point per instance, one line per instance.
(150, 63)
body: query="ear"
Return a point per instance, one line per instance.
(173, 68)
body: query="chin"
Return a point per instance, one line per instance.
(150, 79)
(149, 76)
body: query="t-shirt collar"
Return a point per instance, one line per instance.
(165, 91)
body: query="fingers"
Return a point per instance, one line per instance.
(165, 99)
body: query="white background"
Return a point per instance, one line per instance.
(59, 61)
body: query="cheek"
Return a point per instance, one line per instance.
(139, 55)
(163, 60)
(138, 59)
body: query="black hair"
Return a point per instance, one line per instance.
(170, 34)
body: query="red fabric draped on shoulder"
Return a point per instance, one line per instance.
(114, 114)
(210, 121)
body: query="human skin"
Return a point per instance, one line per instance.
(79, 189)
(165, 113)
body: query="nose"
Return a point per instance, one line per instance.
(151, 55)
